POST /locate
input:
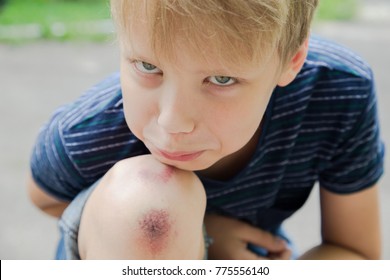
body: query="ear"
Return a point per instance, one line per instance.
(294, 65)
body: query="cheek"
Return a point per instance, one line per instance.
(236, 137)
(134, 105)
(235, 127)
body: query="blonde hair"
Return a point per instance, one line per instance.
(235, 30)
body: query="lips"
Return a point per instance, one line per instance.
(180, 156)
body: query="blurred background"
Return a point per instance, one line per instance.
(53, 50)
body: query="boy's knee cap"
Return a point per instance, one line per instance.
(144, 202)
(146, 176)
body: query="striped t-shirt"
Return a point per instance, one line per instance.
(323, 127)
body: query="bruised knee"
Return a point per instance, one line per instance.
(155, 230)
(144, 209)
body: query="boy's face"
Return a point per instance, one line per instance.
(192, 112)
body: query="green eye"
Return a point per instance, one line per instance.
(146, 68)
(222, 80)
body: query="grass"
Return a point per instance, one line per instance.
(49, 11)
(59, 19)
(60, 14)
(337, 10)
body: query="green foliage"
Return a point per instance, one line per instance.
(65, 19)
(55, 19)
(49, 11)
(337, 9)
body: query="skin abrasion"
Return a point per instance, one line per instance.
(155, 227)
(160, 176)
(167, 173)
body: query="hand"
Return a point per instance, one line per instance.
(231, 238)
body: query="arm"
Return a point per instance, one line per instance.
(350, 226)
(350, 230)
(43, 201)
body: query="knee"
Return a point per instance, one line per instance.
(143, 209)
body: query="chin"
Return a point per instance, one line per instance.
(193, 166)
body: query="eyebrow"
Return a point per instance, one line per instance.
(142, 58)
(224, 71)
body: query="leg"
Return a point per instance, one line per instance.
(143, 209)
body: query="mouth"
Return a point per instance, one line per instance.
(180, 156)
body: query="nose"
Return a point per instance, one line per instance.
(175, 115)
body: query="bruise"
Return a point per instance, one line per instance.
(167, 173)
(159, 176)
(155, 227)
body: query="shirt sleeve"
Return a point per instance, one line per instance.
(51, 167)
(357, 162)
(82, 141)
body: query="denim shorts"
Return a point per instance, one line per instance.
(69, 224)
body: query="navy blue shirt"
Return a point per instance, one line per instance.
(323, 127)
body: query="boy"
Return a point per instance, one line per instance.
(219, 102)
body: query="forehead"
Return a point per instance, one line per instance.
(202, 59)
(213, 57)
(167, 31)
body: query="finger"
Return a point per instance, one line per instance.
(249, 255)
(241, 252)
(260, 251)
(284, 255)
(264, 239)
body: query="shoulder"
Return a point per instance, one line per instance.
(82, 140)
(94, 115)
(334, 80)
(93, 130)
(329, 56)
(104, 96)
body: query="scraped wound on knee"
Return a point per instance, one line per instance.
(155, 228)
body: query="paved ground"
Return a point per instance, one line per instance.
(34, 80)
(37, 78)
